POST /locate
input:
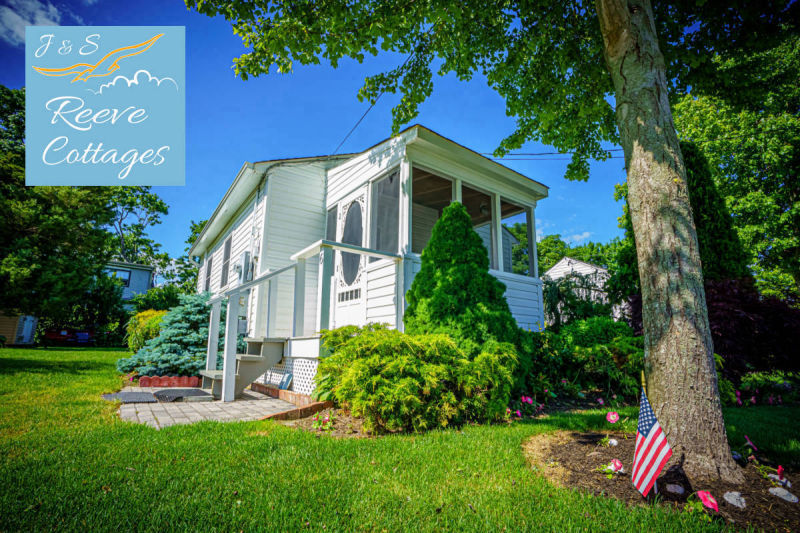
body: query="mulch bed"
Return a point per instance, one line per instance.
(344, 425)
(571, 460)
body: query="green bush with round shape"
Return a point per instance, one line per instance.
(594, 330)
(400, 382)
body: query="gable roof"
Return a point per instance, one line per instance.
(570, 261)
(249, 177)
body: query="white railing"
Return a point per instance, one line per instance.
(325, 250)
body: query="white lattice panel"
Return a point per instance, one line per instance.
(303, 371)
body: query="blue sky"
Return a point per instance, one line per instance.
(307, 112)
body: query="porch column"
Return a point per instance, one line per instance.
(457, 190)
(324, 292)
(497, 233)
(400, 295)
(405, 207)
(272, 307)
(213, 336)
(229, 355)
(298, 326)
(533, 258)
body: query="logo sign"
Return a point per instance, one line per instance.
(105, 105)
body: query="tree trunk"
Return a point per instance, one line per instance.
(679, 356)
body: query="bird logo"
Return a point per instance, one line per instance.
(107, 65)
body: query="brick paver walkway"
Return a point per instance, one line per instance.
(252, 406)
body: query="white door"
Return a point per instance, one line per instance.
(350, 278)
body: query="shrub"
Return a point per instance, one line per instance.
(592, 354)
(157, 298)
(454, 293)
(180, 347)
(595, 330)
(142, 327)
(771, 388)
(401, 382)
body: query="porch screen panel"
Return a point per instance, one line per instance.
(515, 238)
(479, 205)
(385, 214)
(430, 194)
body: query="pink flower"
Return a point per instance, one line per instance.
(519, 414)
(739, 402)
(546, 391)
(708, 500)
(613, 396)
(508, 410)
(615, 465)
(564, 381)
(753, 400)
(530, 400)
(750, 443)
(779, 399)
(771, 399)
(612, 416)
(780, 472)
(600, 401)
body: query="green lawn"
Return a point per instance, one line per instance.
(68, 462)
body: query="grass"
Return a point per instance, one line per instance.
(67, 462)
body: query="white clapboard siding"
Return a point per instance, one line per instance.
(241, 231)
(355, 172)
(381, 293)
(524, 297)
(295, 218)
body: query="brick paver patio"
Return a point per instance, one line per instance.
(252, 406)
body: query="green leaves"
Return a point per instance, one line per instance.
(401, 382)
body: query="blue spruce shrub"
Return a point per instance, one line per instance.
(180, 347)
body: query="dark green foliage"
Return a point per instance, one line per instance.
(99, 310)
(453, 293)
(180, 348)
(595, 330)
(157, 298)
(568, 298)
(589, 355)
(721, 251)
(401, 382)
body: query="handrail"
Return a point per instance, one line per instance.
(255, 281)
(315, 248)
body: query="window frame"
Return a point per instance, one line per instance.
(226, 262)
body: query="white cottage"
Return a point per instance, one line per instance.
(301, 245)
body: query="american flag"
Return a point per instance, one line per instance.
(652, 450)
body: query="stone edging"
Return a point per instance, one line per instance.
(305, 405)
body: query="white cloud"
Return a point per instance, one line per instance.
(134, 80)
(20, 13)
(578, 237)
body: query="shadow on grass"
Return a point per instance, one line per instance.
(39, 366)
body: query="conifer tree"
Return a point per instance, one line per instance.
(454, 293)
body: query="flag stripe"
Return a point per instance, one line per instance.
(649, 479)
(650, 445)
(648, 464)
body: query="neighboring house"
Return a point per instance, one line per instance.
(301, 245)
(597, 275)
(135, 278)
(18, 329)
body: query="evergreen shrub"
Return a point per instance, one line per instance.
(180, 347)
(454, 293)
(401, 382)
(142, 327)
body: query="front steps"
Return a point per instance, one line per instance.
(262, 353)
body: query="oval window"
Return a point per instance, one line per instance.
(352, 233)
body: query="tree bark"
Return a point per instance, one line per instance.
(679, 355)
